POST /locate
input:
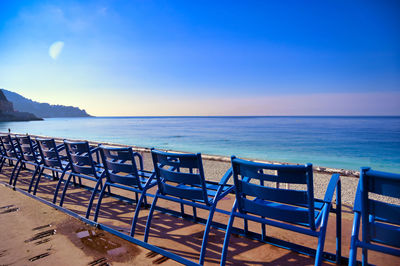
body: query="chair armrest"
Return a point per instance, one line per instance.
(136, 154)
(226, 177)
(357, 200)
(333, 184)
(220, 193)
(148, 182)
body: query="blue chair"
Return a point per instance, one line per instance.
(295, 210)
(3, 155)
(29, 154)
(51, 160)
(380, 220)
(122, 171)
(180, 178)
(83, 165)
(11, 153)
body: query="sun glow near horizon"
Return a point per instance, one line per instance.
(108, 104)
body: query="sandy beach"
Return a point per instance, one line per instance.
(36, 234)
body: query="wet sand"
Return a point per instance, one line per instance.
(34, 233)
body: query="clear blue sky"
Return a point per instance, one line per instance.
(205, 57)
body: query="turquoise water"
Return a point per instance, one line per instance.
(339, 142)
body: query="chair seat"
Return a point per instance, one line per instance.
(211, 190)
(128, 179)
(285, 207)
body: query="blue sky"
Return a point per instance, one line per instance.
(205, 57)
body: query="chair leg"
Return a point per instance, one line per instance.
(354, 239)
(37, 169)
(149, 217)
(205, 235)
(96, 213)
(246, 227)
(322, 235)
(60, 180)
(228, 235)
(182, 210)
(364, 256)
(138, 206)
(33, 179)
(56, 176)
(96, 187)
(13, 172)
(37, 181)
(2, 163)
(194, 213)
(16, 175)
(65, 188)
(338, 223)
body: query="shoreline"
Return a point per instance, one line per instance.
(211, 157)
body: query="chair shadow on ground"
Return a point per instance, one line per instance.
(165, 229)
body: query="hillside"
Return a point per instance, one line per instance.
(23, 104)
(7, 112)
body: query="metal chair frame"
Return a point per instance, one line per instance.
(51, 160)
(11, 153)
(121, 171)
(380, 220)
(191, 188)
(82, 165)
(2, 155)
(295, 210)
(29, 154)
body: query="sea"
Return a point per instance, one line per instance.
(335, 142)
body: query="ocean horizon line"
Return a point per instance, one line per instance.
(240, 116)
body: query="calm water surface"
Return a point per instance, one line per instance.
(339, 142)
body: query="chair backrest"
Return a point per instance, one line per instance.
(380, 219)
(27, 149)
(294, 206)
(8, 146)
(120, 166)
(49, 153)
(180, 175)
(80, 157)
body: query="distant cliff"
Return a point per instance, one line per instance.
(7, 112)
(23, 104)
